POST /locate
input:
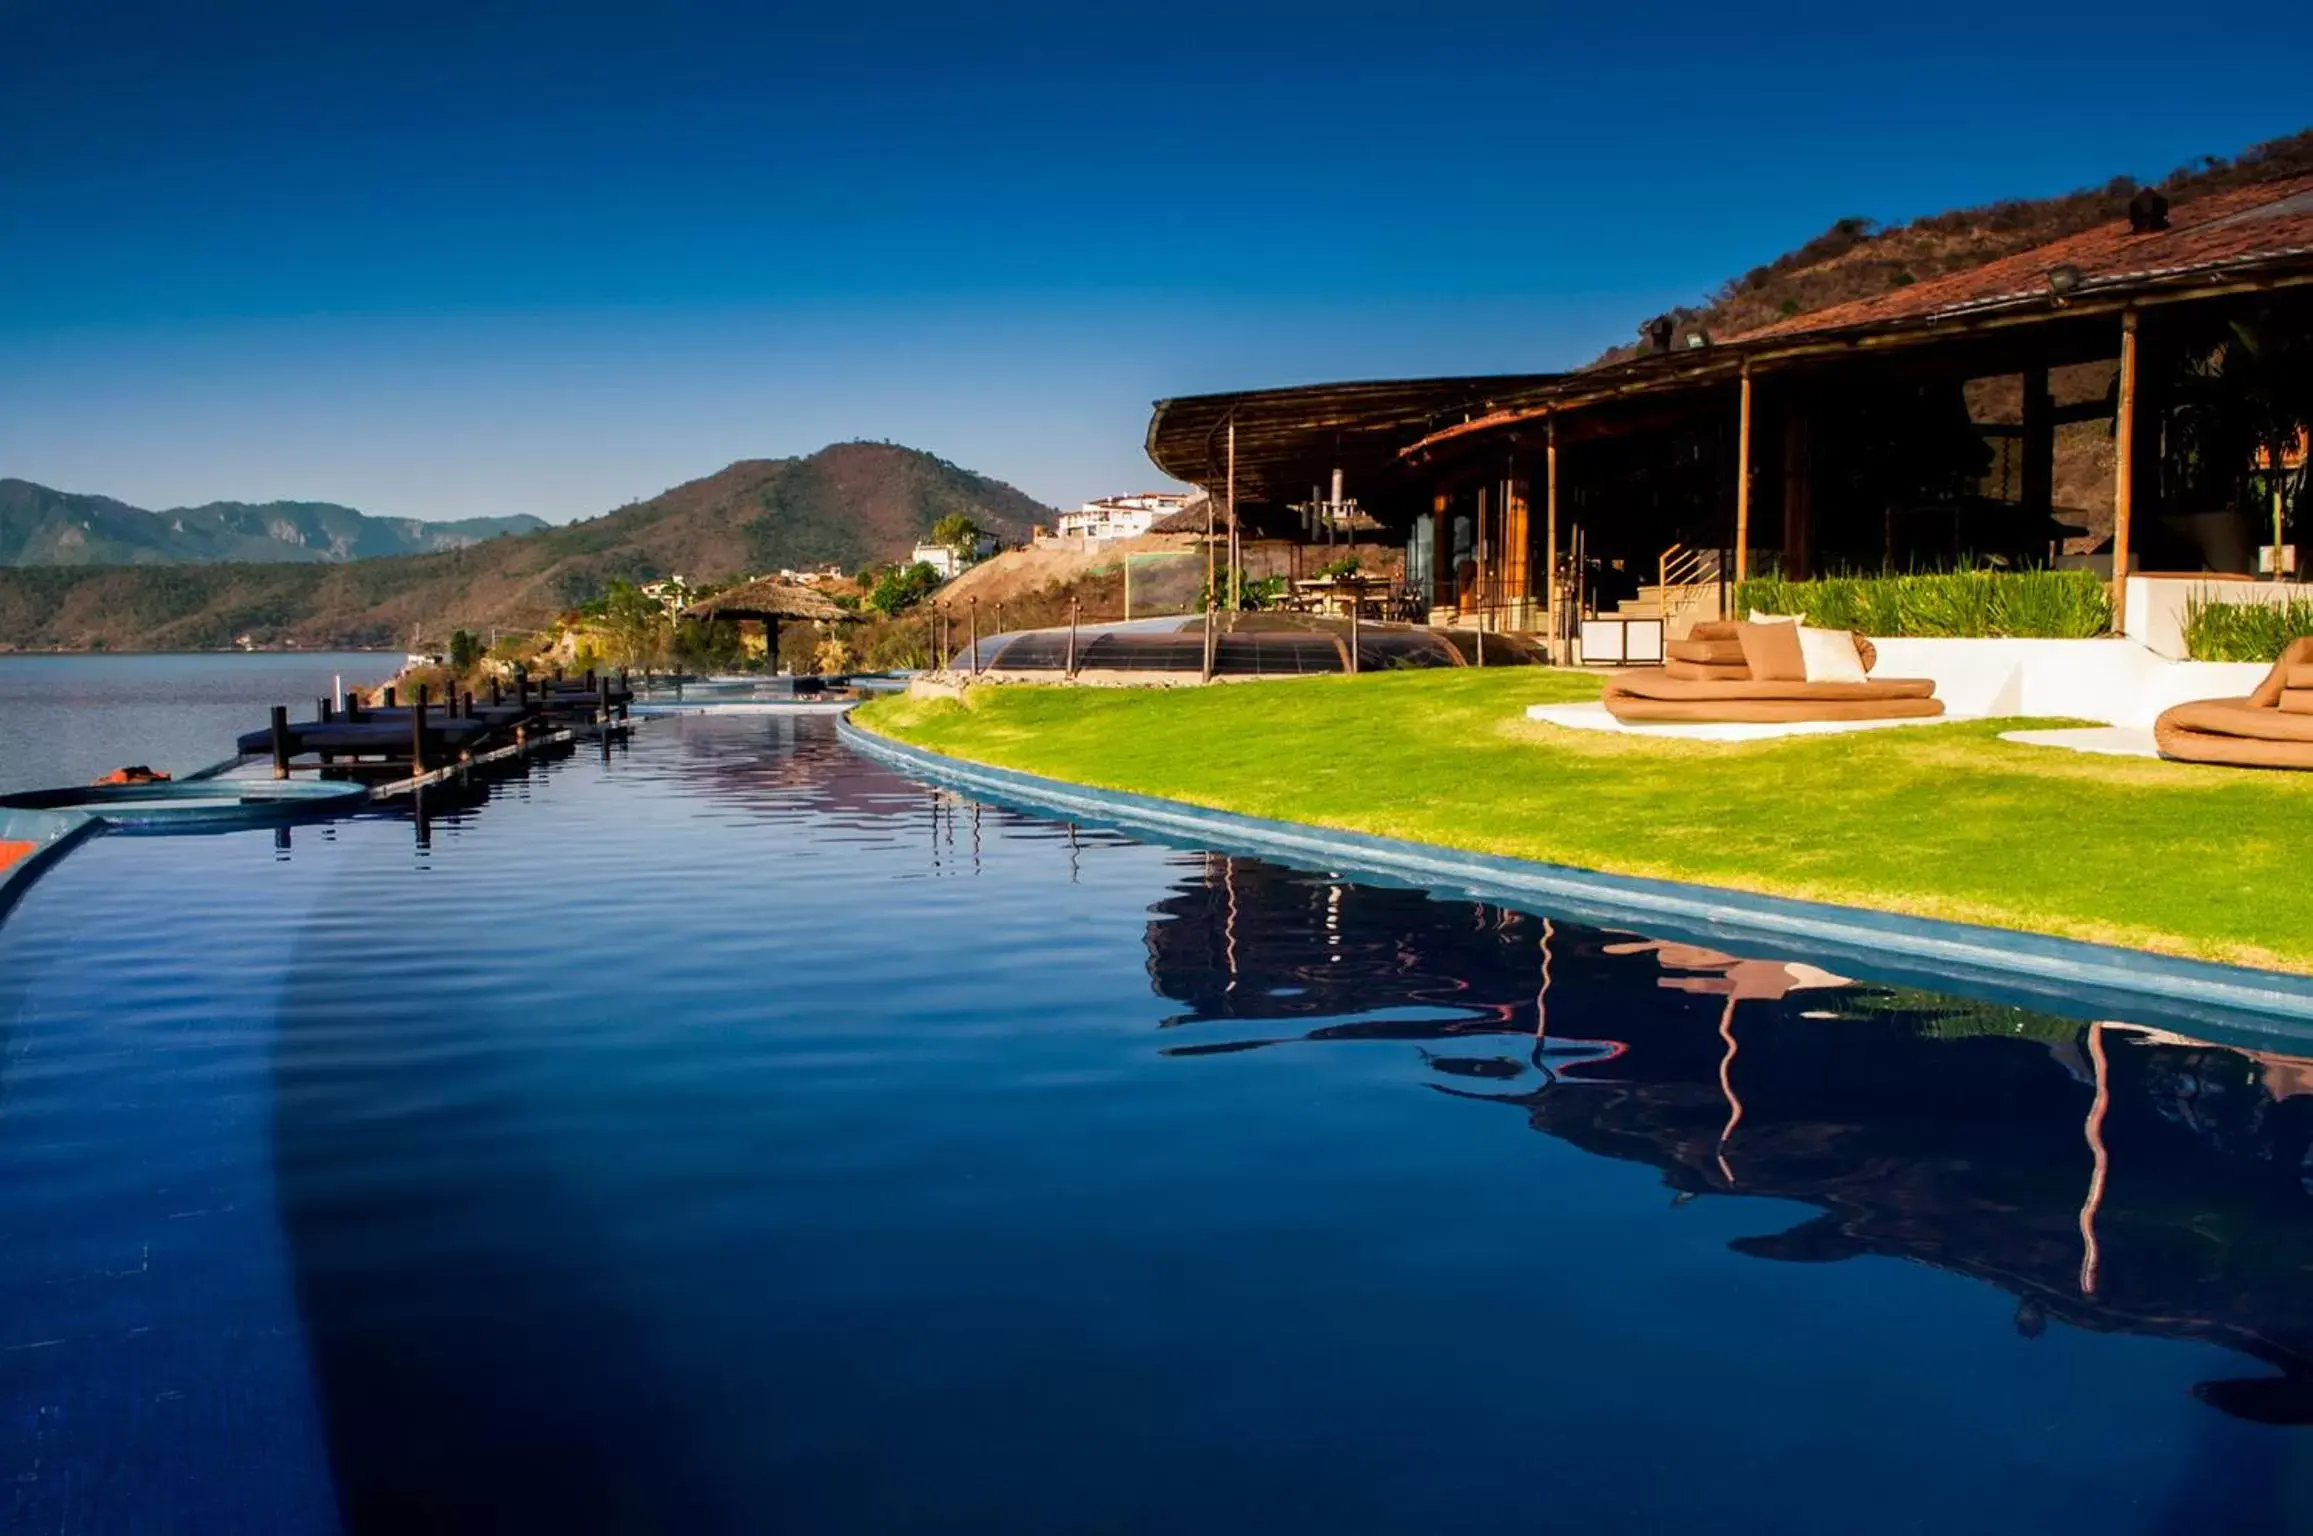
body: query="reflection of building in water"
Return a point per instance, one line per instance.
(2116, 1177)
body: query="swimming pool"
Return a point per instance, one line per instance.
(730, 1134)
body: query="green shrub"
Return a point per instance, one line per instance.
(2037, 605)
(2221, 631)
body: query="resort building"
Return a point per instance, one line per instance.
(1115, 517)
(673, 593)
(2091, 402)
(942, 558)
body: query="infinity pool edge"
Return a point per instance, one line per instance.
(1930, 952)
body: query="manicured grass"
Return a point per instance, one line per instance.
(1944, 821)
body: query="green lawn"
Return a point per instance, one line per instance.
(1945, 821)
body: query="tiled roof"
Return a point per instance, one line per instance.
(2210, 239)
(2241, 228)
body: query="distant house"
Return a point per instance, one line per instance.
(1115, 517)
(943, 559)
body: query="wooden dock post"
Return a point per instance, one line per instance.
(323, 710)
(495, 697)
(601, 697)
(418, 734)
(386, 699)
(281, 741)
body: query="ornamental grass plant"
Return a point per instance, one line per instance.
(2037, 605)
(2215, 630)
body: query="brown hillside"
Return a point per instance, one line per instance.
(848, 505)
(1858, 259)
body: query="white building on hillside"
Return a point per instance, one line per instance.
(943, 559)
(1118, 517)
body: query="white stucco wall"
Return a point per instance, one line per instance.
(2118, 682)
(2156, 605)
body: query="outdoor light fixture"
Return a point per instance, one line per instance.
(2063, 279)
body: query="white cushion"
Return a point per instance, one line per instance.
(1830, 656)
(1777, 618)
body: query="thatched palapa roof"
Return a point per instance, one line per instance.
(768, 598)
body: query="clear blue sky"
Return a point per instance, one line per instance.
(445, 260)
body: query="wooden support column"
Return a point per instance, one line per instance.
(1482, 563)
(1743, 483)
(1550, 539)
(2124, 470)
(2036, 474)
(1444, 591)
(1517, 559)
(1210, 583)
(1798, 493)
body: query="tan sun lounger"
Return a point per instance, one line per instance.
(1704, 680)
(2271, 728)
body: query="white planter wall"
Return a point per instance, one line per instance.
(2156, 605)
(2117, 682)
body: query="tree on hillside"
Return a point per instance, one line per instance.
(958, 533)
(634, 627)
(902, 586)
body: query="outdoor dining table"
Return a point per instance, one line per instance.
(1335, 594)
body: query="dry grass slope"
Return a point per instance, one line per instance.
(1856, 258)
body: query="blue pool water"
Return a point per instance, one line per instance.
(731, 1135)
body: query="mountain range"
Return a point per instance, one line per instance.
(848, 504)
(40, 526)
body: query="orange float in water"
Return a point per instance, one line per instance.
(139, 774)
(12, 850)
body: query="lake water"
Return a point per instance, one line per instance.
(728, 1134)
(67, 719)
